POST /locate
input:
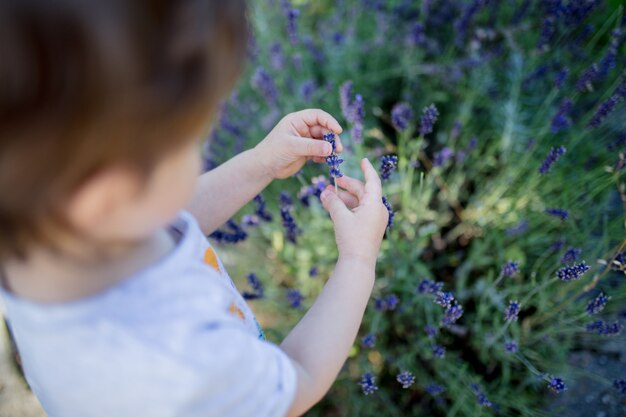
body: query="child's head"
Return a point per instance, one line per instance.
(102, 104)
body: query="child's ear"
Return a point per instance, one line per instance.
(97, 201)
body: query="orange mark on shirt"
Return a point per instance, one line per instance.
(211, 259)
(233, 309)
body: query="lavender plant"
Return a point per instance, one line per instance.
(508, 193)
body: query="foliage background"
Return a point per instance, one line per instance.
(491, 68)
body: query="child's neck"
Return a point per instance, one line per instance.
(47, 277)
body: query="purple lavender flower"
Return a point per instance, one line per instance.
(313, 271)
(511, 268)
(557, 385)
(620, 386)
(553, 156)
(250, 220)
(388, 164)
(512, 311)
(264, 84)
(294, 297)
(435, 389)
(585, 82)
(431, 331)
(611, 329)
(557, 212)
(442, 157)
(561, 120)
(345, 98)
(439, 351)
(511, 346)
(452, 314)
(481, 398)
(390, 302)
(305, 193)
(405, 378)
(429, 287)
(257, 288)
(236, 234)
(358, 112)
(610, 59)
(289, 223)
(306, 90)
(571, 255)
(444, 299)
(277, 58)
(333, 161)
(429, 117)
(368, 383)
(401, 116)
(595, 326)
(391, 213)
(292, 24)
(260, 209)
(369, 341)
(549, 24)
(560, 77)
(572, 272)
(608, 106)
(597, 304)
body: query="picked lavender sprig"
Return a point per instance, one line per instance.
(333, 161)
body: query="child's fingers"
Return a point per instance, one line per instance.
(335, 206)
(353, 185)
(304, 120)
(349, 199)
(373, 186)
(318, 159)
(319, 132)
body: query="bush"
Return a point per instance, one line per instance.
(508, 193)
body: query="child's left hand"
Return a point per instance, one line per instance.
(297, 138)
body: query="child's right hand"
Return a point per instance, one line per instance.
(359, 214)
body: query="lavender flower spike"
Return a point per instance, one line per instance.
(333, 161)
(429, 117)
(388, 164)
(557, 212)
(608, 106)
(573, 272)
(401, 116)
(406, 378)
(557, 385)
(345, 98)
(391, 213)
(510, 269)
(555, 153)
(597, 304)
(512, 311)
(368, 383)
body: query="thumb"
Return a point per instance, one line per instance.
(333, 204)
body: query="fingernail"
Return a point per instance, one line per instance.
(327, 149)
(324, 194)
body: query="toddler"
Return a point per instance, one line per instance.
(118, 304)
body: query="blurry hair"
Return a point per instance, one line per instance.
(87, 84)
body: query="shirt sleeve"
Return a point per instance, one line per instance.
(237, 374)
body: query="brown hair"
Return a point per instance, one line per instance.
(85, 84)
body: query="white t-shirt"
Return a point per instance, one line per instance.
(175, 340)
